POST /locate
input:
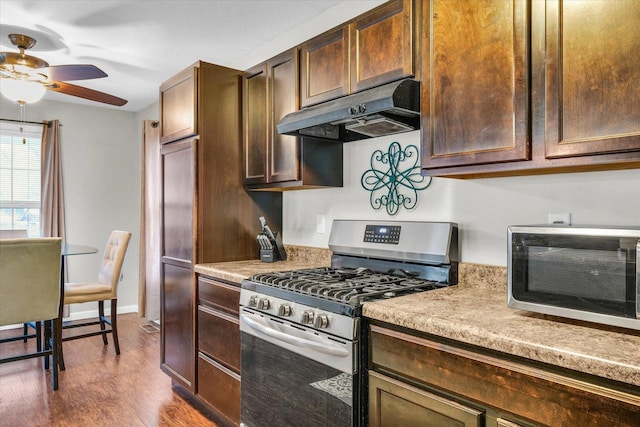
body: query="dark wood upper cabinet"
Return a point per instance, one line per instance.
(377, 47)
(270, 93)
(178, 106)
(474, 99)
(324, 67)
(382, 45)
(256, 125)
(517, 87)
(284, 149)
(281, 162)
(592, 77)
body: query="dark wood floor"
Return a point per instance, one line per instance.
(98, 388)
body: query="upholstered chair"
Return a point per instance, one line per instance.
(22, 234)
(30, 290)
(104, 289)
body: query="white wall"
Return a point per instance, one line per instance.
(101, 155)
(483, 208)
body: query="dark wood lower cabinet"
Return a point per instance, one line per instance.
(219, 337)
(396, 403)
(177, 355)
(220, 388)
(218, 368)
(424, 380)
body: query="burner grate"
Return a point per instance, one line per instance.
(346, 285)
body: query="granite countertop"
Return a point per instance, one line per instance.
(475, 312)
(298, 257)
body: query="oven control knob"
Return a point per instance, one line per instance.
(253, 301)
(263, 304)
(322, 321)
(307, 317)
(284, 310)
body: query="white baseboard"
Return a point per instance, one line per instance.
(89, 314)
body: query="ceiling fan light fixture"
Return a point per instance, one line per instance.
(21, 91)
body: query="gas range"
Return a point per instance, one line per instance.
(303, 342)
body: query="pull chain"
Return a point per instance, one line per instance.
(23, 106)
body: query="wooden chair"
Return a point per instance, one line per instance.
(30, 290)
(104, 289)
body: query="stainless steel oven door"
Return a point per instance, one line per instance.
(293, 376)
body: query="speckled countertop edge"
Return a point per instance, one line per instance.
(475, 312)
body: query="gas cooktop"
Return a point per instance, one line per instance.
(351, 286)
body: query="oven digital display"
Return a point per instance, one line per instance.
(389, 234)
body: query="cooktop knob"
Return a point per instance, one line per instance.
(307, 317)
(284, 310)
(263, 304)
(322, 321)
(253, 301)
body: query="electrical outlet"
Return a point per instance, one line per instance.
(320, 224)
(560, 218)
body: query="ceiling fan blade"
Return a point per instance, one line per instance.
(63, 73)
(86, 93)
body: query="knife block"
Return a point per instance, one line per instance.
(267, 255)
(276, 253)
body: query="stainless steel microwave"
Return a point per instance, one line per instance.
(587, 273)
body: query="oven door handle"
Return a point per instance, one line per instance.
(290, 339)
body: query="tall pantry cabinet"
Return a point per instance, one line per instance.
(207, 216)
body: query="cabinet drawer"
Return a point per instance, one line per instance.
(219, 337)
(392, 402)
(219, 387)
(218, 295)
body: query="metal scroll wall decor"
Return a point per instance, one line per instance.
(394, 178)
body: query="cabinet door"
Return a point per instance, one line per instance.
(474, 82)
(178, 106)
(256, 122)
(324, 67)
(284, 149)
(592, 77)
(393, 402)
(178, 201)
(177, 352)
(177, 296)
(382, 45)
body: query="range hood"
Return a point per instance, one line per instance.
(383, 110)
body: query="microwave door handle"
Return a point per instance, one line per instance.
(290, 339)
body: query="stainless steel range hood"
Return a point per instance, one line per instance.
(383, 110)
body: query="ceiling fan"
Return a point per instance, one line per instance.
(27, 68)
